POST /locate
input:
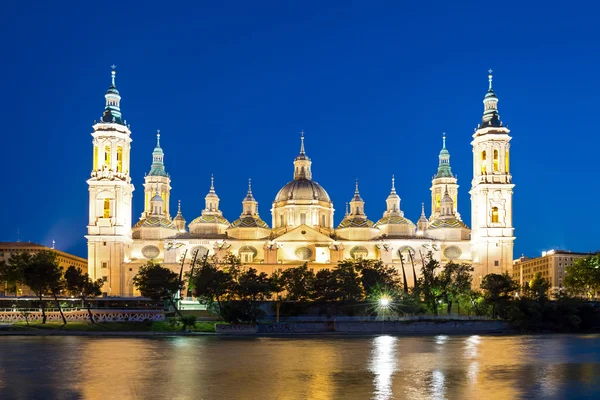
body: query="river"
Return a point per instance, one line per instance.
(380, 367)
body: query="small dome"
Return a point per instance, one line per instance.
(112, 90)
(210, 219)
(249, 222)
(155, 222)
(394, 221)
(156, 198)
(179, 217)
(302, 189)
(447, 223)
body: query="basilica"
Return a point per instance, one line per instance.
(302, 228)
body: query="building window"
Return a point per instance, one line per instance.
(496, 166)
(496, 263)
(105, 279)
(103, 243)
(107, 156)
(95, 158)
(506, 162)
(302, 218)
(106, 213)
(494, 214)
(323, 221)
(119, 159)
(104, 264)
(483, 162)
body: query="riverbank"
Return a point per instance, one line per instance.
(396, 328)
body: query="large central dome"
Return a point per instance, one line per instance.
(302, 201)
(302, 189)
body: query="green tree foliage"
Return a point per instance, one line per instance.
(498, 291)
(537, 289)
(212, 284)
(454, 280)
(429, 284)
(43, 275)
(298, 283)
(79, 284)
(583, 277)
(11, 272)
(376, 276)
(158, 283)
(349, 281)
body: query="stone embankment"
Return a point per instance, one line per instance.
(432, 327)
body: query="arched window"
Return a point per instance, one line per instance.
(506, 163)
(494, 214)
(281, 220)
(496, 166)
(119, 159)
(323, 221)
(106, 208)
(95, 158)
(437, 201)
(107, 156)
(483, 162)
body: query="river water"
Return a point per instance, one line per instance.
(380, 367)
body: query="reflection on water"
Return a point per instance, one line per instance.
(383, 367)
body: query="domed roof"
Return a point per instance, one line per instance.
(446, 223)
(350, 222)
(210, 219)
(155, 222)
(112, 90)
(156, 197)
(302, 189)
(394, 220)
(249, 222)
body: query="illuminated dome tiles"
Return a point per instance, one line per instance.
(447, 223)
(155, 222)
(394, 221)
(355, 223)
(249, 222)
(210, 219)
(302, 189)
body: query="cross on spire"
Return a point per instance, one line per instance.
(113, 73)
(490, 77)
(302, 142)
(158, 138)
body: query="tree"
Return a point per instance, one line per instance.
(250, 289)
(158, 283)
(498, 290)
(429, 284)
(538, 288)
(584, 276)
(298, 283)
(11, 272)
(454, 280)
(212, 284)
(79, 284)
(43, 275)
(348, 281)
(376, 276)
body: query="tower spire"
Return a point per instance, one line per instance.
(112, 110)
(212, 183)
(302, 142)
(444, 170)
(302, 163)
(158, 158)
(393, 185)
(490, 106)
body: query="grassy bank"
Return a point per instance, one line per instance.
(159, 326)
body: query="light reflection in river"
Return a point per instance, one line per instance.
(320, 368)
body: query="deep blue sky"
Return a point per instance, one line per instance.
(231, 84)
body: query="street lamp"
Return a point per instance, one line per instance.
(384, 302)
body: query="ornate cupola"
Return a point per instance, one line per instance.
(211, 223)
(393, 223)
(356, 225)
(443, 179)
(490, 107)
(157, 181)
(302, 163)
(179, 221)
(112, 110)
(423, 222)
(447, 226)
(249, 225)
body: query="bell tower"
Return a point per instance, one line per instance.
(110, 196)
(492, 235)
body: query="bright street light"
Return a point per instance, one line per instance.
(384, 302)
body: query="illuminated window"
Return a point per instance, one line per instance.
(95, 158)
(323, 220)
(119, 159)
(495, 214)
(106, 208)
(483, 162)
(107, 156)
(506, 163)
(496, 167)
(437, 201)
(281, 220)
(303, 218)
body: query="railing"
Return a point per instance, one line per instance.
(379, 318)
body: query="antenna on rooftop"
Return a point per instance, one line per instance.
(18, 235)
